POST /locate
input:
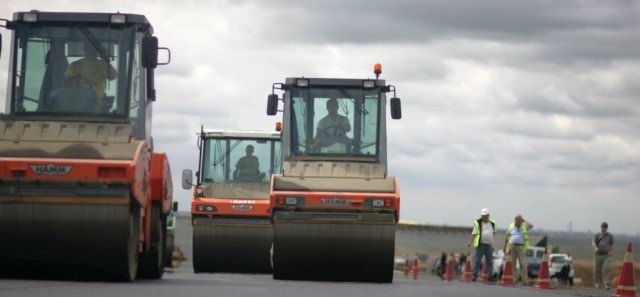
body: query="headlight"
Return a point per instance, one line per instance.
(291, 201)
(207, 208)
(379, 203)
(30, 17)
(302, 82)
(368, 84)
(118, 19)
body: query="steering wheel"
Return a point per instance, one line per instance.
(334, 130)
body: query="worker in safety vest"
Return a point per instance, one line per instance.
(517, 241)
(484, 230)
(91, 72)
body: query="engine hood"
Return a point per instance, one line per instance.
(71, 140)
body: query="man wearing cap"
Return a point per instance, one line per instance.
(484, 230)
(517, 242)
(602, 247)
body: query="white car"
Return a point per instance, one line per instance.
(556, 264)
(398, 263)
(498, 263)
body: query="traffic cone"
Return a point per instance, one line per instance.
(484, 275)
(626, 285)
(507, 272)
(467, 274)
(415, 268)
(543, 281)
(449, 274)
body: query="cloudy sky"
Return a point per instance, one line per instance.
(518, 106)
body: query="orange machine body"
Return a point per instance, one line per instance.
(337, 201)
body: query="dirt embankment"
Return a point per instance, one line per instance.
(584, 270)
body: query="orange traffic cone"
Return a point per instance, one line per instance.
(484, 275)
(415, 268)
(507, 272)
(543, 281)
(449, 274)
(467, 273)
(626, 285)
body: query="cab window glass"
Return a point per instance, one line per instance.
(71, 69)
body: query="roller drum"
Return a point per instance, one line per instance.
(69, 240)
(334, 247)
(240, 247)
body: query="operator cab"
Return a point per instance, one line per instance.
(236, 164)
(334, 119)
(95, 67)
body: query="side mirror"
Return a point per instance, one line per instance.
(175, 206)
(272, 104)
(187, 179)
(396, 108)
(150, 52)
(167, 56)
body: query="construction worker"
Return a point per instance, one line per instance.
(91, 73)
(602, 247)
(484, 230)
(331, 130)
(247, 167)
(442, 267)
(517, 241)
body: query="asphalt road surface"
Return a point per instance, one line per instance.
(181, 281)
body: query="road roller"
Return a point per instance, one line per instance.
(230, 206)
(334, 208)
(83, 192)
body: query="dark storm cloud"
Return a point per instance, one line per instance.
(368, 21)
(565, 30)
(596, 106)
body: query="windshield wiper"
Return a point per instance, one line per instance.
(361, 110)
(94, 42)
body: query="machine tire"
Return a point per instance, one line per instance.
(152, 260)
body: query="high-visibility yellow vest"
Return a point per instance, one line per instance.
(477, 228)
(523, 229)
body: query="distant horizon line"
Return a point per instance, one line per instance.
(536, 231)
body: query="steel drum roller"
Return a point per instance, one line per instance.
(231, 247)
(334, 247)
(59, 237)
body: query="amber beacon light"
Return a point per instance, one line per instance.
(377, 69)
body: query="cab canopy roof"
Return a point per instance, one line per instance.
(241, 134)
(85, 17)
(331, 82)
